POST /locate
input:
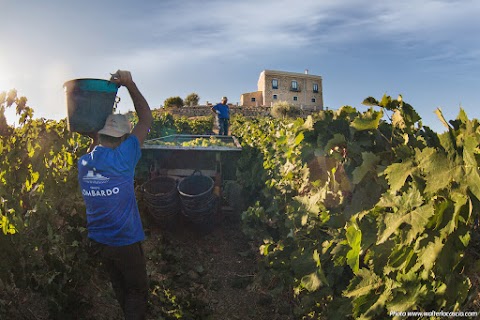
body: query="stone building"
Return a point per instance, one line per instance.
(300, 89)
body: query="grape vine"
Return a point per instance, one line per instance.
(359, 217)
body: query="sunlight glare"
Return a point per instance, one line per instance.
(6, 78)
(3, 83)
(6, 84)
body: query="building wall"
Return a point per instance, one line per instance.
(284, 92)
(252, 99)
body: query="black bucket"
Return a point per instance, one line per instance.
(202, 219)
(161, 197)
(198, 202)
(195, 187)
(89, 102)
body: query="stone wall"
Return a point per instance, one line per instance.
(205, 111)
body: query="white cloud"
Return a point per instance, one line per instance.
(174, 47)
(200, 30)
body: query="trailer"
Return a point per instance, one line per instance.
(170, 156)
(180, 161)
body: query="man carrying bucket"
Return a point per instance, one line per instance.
(106, 177)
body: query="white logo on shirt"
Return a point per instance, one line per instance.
(96, 178)
(96, 192)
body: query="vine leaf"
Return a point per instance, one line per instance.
(405, 202)
(298, 139)
(429, 254)
(409, 114)
(311, 202)
(410, 212)
(460, 200)
(354, 240)
(310, 267)
(398, 173)
(337, 140)
(399, 259)
(397, 120)
(371, 102)
(471, 166)
(386, 102)
(440, 116)
(369, 281)
(313, 281)
(369, 163)
(439, 170)
(381, 301)
(308, 125)
(409, 297)
(417, 219)
(370, 120)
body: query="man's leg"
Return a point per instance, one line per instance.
(129, 261)
(221, 125)
(107, 257)
(136, 283)
(225, 127)
(116, 278)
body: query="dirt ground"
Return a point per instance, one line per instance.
(218, 268)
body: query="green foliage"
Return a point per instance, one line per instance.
(198, 125)
(198, 142)
(42, 229)
(164, 124)
(192, 99)
(173, 102)
(361, 215)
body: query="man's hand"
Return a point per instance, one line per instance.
(122, 78)
(145, 118)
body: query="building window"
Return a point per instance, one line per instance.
(274, 84)
(295, 98)
(275, 97)
(253, 99)
(313, 100)
(315, 87)
(294, 85)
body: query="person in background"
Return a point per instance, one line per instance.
(223, 115)
(106, 178)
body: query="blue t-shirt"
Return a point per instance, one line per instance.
(106, 180)
(224, 111)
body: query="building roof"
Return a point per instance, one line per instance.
(297, 74)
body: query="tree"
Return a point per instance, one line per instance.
(192, 99)
(173, 102)
(283, 109)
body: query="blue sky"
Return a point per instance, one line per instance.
(428, 51)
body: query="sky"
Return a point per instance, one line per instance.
(428, 51)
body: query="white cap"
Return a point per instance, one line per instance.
(116, 125)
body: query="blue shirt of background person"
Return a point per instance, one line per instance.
(223, 109)
(106, 181)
